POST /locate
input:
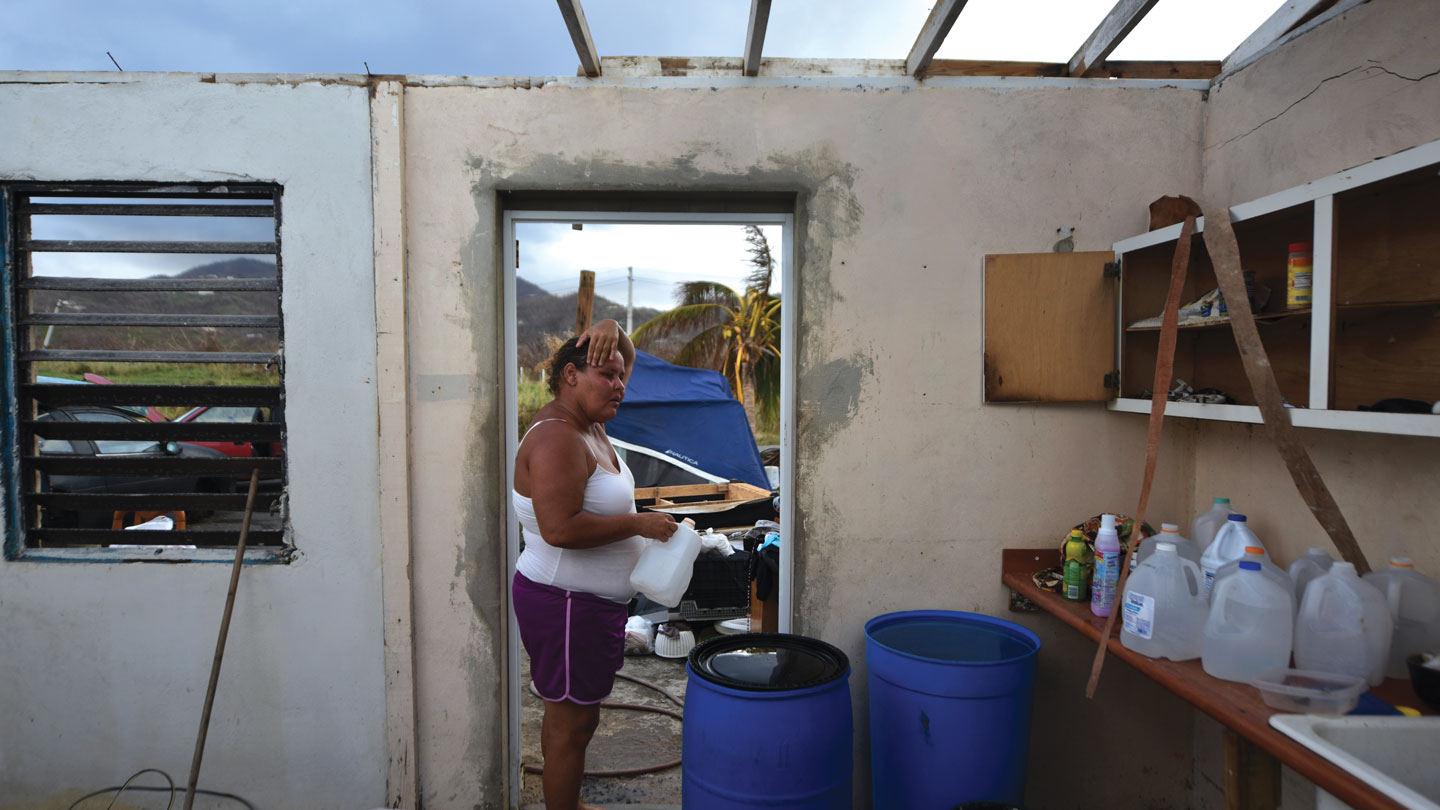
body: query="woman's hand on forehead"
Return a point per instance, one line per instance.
(604, 340)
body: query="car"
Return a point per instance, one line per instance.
(122, 484)
(232, 414)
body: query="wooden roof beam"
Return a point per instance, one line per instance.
(942, 17)
(1121, 20)
(580, 34)
(1283, 21)
(755, 35)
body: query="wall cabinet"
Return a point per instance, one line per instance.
(1371, 333)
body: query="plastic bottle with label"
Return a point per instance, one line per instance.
(1107, 567)
(1304, 569)
(1414, 601)
(1164, 606)
(1077, 567)
(1344, 626)
(1299, 276)
(1249, 629)
(664, 569)
(1169, 533)
(1229, 544)
(1208, 523)
(1271, 571)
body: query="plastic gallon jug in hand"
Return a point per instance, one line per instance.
(1304, 569)
(1344, 626)
(1249, 629)
(1414, 605)
(1271, 571)
(1229, 544)
(1208, 523)
(664, 570)
(1107, 567)
(1164, 606)
(1169, 533)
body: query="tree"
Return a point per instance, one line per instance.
(737, 334)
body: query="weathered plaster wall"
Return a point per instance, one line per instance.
(907, 486)
(1362, 86)
(105, 666)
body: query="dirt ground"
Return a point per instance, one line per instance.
(626, 739)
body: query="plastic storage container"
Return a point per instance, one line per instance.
(767, 724)
(1207, 524)
(1164, 606)
(664, 569)
(1271, 571)
(1304, 569)
(1107, 567)
(1344, 626)
(950, 703)
(1249, 629)
(1414, 601)
(1229, 544)
(1307, 692)
(1169, 533)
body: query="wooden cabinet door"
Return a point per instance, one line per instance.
(1049, 327)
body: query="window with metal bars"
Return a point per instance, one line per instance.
(144, 368)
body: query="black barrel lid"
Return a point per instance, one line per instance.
(768, 662)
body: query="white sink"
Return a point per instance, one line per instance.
(1398, 756)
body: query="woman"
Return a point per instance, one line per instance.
(576, 503)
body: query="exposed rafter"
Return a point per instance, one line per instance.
(1283, 21)
(1121, 20)
(755, 35)
(942, 16)
(580, 34)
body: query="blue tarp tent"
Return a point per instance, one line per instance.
(688, 416)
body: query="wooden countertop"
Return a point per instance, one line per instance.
(1235, 705)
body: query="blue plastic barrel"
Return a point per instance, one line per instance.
(950, 697)
(767, 724)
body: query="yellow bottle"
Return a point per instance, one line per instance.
(1077, 567)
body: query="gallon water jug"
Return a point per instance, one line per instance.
(1164, 606)
(1344, 626)
(1414, 605)
(1169, 533)
(664, 570)
(1272, 572)
(1229, 544)
(1207, 524)
(1249, 628)
(1304, 569)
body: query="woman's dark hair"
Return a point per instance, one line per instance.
(567, 354)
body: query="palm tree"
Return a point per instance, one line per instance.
(737, 334)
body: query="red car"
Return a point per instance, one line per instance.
(233, 414)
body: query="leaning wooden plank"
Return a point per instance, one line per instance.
(580, 34)
(1225, 256)
(1285, 18)
(1117, 24)
(941, 18)
(755, 35)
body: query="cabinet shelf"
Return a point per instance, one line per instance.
(1402, 424)
(1262, 317)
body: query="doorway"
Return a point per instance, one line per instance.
(637, 259)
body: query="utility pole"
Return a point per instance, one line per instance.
(630, 302)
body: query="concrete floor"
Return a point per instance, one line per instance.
(625, 739)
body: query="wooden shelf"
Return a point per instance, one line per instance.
(1402, 424)
(1234, 705)
(1261, 317)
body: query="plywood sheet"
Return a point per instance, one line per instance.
(1049, 327)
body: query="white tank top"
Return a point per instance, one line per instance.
(603, 570)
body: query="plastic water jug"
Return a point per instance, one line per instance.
(1304, 569)
(1271, 571)
(1344, 626)
(1164, 606)
(1169, 533)
(1107, 567)
(1229, 544)
(1249, 629)
(664, 570)
(1207, 524)
(1414, 605)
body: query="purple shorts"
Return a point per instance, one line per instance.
(576, 640)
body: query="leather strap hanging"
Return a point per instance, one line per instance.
(1164, 367)
(1225, 256)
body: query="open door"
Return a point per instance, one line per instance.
(1050, 328)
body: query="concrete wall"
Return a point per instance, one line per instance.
(907, 486)
(105, 666)
(1362, 86)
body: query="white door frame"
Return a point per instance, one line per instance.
(511, 414)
